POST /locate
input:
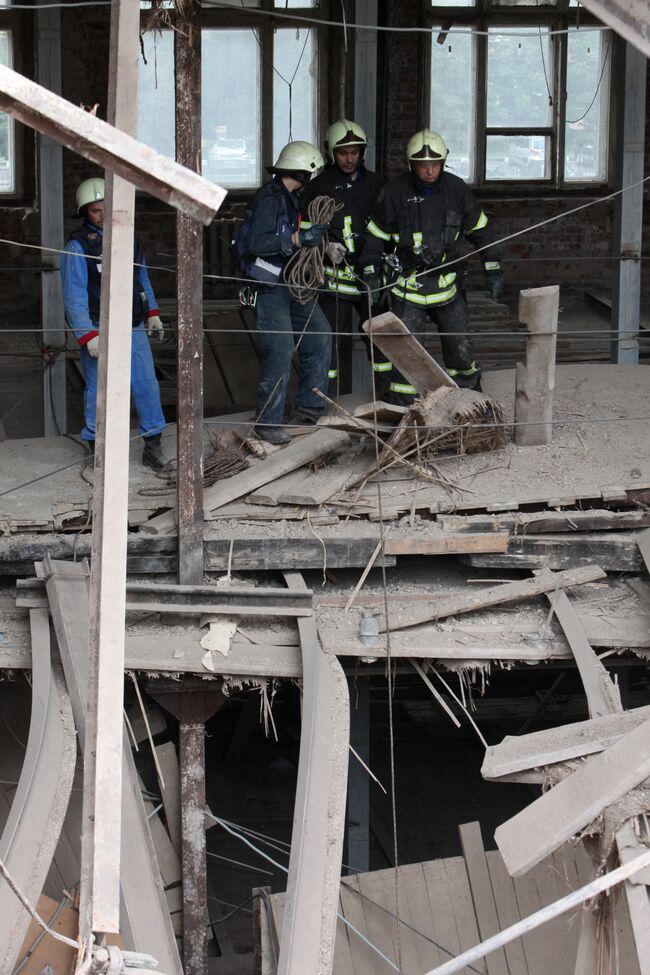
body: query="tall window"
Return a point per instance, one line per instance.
(7, 125)
(236, 125)
(499, 98)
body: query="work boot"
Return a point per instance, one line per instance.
(305, 418)
(274, 435)
(152, 455)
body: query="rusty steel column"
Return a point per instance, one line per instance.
(189, 285)
(192, 704)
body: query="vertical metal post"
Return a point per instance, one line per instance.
(50, 171)
(101, 833)
(628, 210)
(189, 264)
(357, 820)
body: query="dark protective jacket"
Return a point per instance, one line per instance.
(81, 281)
(348, 225)
(263, 244)
(425, 226)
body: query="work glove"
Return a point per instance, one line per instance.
(312, 236)
(155, 328)
(373, 283)
(336, 252)
(495, 283)
(92, 346)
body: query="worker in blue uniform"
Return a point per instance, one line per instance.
(269, 236)
(81, 275)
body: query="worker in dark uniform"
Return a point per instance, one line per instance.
(81, 277)
(270, 234)
(420, 218)
(347, 181)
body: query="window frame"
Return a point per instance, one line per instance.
(265, 19)
(485, 16)
(12, 21)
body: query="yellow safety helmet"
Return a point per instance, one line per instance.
(345, 134)
(298, 159)
(90, 191)
(426, 146)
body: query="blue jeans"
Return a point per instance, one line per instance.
(280, 323)
(144, 387)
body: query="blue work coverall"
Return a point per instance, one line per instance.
(144, 385)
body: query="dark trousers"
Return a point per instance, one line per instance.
(452, 322)
(282, 325)
(340, 313)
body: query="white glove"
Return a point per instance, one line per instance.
(336, 252)
(93, 346)
(155, 328)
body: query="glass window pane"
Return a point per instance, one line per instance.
(290, 4)
(7, 130)
(156, 92)
(517, 157)
(295, 88)
(520, 73)
(231, 107)
(452, 3)
(452, 99)
(231, 114)
(585, 148)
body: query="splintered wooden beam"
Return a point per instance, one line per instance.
(568, 807)
(538, 308)
(406, 352)
(109, 148)
(508, 592)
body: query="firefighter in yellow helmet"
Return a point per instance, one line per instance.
(347, 181)
(422, 218)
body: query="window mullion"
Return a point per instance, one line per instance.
(480, 101)
(266, 41)
(559, 109)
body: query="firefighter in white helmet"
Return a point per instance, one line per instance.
(422, 218)
(81, 276)
(270, 234)
(347, 181)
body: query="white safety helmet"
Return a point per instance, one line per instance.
(426, 146)
(302, 160)
(345, 134)
(90, 191)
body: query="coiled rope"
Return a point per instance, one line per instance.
(305, 272)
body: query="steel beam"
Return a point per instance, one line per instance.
(628, 209)
(309, 924)
(189, 293)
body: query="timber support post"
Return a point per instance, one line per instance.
(535, 383)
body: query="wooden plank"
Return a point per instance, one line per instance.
(441, 905)
(171, 792)
(541, 522)
(507, 909)
(535, 378)
(418, 954)
(99, 889)
(637, 896)
(615, 552)
(460, 896)
(560, 813)
(145, 921)
(643, 541)
(319, 486)
(383, 412)
(30, 835)
(522, 752)
(390, 334)
(603, 696)
(108, 147)
(270, 493)
(313, 880)
(466, 602)
(446, 543)
(482, 894)
(295, 455)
